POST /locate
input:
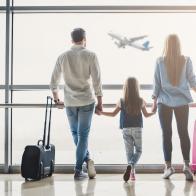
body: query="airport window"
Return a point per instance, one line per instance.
(45, 36)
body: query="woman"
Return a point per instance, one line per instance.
(172, 78)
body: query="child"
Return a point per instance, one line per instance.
(131, 108)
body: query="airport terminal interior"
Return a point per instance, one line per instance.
(127, 37)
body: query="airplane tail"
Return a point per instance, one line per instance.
(146, 44)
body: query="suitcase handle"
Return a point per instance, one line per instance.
(45, 123)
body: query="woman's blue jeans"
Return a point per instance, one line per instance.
(80, 122)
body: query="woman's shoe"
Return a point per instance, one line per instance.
(188, 173)
(168, 172)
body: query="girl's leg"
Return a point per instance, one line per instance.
(129, 144)
(129, 147)
(137, 136)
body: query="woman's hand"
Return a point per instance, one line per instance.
(154, 107)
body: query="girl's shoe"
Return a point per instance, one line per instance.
(132, 175)
(127, 172)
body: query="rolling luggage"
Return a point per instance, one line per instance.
(193, 167)
(38, 160)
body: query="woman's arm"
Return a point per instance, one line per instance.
(112, 114)
(157, 81)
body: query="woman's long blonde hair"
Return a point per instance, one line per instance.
(173, 59)
(133, 102)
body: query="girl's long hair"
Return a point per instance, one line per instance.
(173, 59)
(132, 100)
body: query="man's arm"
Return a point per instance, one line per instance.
(96, 79)
(54, 83)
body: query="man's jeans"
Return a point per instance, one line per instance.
(165, 117)
(133, 144)
(80, 121)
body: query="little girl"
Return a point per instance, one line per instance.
(131, 108)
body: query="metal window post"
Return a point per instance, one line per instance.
(7, 157)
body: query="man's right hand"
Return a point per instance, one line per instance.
(60, 105)
(99, 105)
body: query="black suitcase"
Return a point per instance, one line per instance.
(38, 160)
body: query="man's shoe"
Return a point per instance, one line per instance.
(188, 173)
(168, 172)
(80, 175)
(127, 172)
(91, 169)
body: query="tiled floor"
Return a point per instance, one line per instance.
(103, 185)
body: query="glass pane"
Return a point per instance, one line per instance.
(46, 36)
(2, 2)
(2, 124)
(2, 49)
(103, 2)
(28, 123)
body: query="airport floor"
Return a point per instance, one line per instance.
(103, 185)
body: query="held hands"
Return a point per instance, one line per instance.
(98, 109)
(154, 107)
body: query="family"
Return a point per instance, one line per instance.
(173, 78)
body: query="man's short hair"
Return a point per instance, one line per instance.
(78, 34)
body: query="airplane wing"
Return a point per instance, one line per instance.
(114, 36)
(137, 38)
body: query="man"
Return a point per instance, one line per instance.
(78, 65)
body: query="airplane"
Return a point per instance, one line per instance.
(122, 42)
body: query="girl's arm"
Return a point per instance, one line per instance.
(112, 114)
(145, 112)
